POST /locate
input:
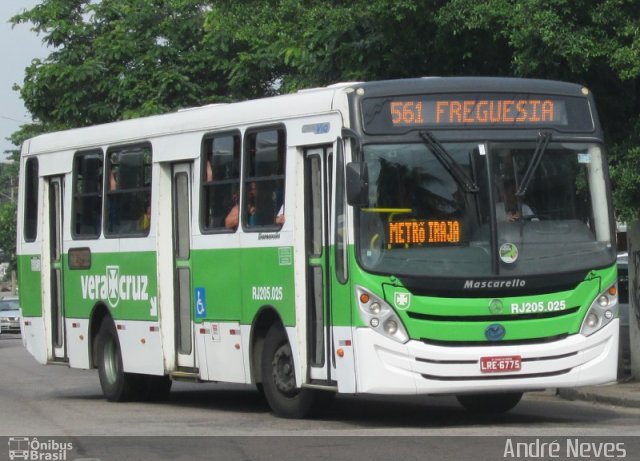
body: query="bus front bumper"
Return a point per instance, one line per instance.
(384, 366)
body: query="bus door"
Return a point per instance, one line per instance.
(181, 218)
(53, 253)
(317, 173)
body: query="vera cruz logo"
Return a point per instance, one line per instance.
(114, 287)
(113, 274)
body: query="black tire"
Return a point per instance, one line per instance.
(260, 389)
(278, 378)
(490, 404)
(117, 386)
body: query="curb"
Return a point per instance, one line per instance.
(611, 395)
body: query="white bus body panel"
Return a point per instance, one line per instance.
(345, 370)
(223, 358)
(77, 340)
(141, 346)
(34, 338)
(384, 366)
(168, 128)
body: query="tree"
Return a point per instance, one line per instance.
(8, 232)
(117, 59)
(593, 43)
(290, 44)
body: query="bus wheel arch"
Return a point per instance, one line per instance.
(264, 319)
(99, 314)
(277, 369)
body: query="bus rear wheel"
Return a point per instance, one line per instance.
(279, 380)
(117, 386)
(490, 404)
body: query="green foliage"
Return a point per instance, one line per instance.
(8, 232)
(116, 59)
(295, 44)
(625, 172)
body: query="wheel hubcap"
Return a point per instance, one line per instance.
(283, 374)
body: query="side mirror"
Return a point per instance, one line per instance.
(357, 184)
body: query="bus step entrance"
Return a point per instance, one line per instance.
(185, 376)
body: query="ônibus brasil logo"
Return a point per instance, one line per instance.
(115, 287)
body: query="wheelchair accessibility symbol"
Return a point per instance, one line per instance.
(201, 303)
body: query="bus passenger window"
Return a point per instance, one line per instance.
(220, 182)
(31, 200)
(129, 194)
(264, 179)
(86, 214)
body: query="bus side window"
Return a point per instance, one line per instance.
(31, 200)
(129, 194)
(263, 202)
(87, 194)
(220, 181)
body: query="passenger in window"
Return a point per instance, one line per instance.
(511, 208)
(254, 217)
(113, 178)
(209, 170)
(233, 217)
(145, 220)
(279, 202)
(280, 216)
(252, 206)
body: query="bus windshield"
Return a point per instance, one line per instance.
(421, 221)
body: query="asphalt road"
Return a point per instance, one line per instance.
(58, 405)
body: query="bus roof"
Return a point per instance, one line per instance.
(267, 110)
(209, 117)
(471, 84)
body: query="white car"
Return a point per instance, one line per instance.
(9, 315)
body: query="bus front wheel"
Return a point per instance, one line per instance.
(490, 403)
(279, 380)
(117, 386)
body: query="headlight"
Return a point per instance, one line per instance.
(602, 311)
(380, 317)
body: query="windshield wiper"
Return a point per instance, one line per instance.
(541, 146)
(449, 162)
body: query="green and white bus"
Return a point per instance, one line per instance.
(419, 236)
